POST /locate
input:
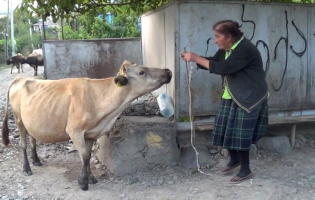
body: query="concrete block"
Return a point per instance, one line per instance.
(253, 151)
(279, 144)
(136, 142)
(188, 158)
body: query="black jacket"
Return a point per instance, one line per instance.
(243, 73)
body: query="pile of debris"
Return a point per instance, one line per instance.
(145, 105)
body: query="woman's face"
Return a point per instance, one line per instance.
(223, 41)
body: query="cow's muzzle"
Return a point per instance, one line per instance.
(169, 75)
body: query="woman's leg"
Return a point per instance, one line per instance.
(234, 161)
(244, 172)
(234, 158)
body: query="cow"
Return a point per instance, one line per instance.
(80, 109)
(34, 60)
(37, 51)
(16, 61)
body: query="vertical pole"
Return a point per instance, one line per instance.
(44, 28)
(12, 31)
(6, 35)
(31, 34)
(62, 35)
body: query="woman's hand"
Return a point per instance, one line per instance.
(189, 56)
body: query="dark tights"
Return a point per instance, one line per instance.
(236, 157)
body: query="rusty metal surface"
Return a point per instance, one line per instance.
(89, 58)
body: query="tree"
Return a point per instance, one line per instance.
(58, 9)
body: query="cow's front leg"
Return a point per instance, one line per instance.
(92, 179)
(12, 68)
(84, 148)
(22, 67)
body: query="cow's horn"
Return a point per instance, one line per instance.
(120, 80)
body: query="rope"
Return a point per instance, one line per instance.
(192, 136)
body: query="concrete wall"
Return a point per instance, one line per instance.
(158, 39)
(89, 58)
(284, 34)
(288, 65)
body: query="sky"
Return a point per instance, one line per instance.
(4, 5)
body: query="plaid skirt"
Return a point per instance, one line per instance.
(235, 129)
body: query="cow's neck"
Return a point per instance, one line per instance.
(111, 101)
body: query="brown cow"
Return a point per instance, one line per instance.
(34, 60)
(16, 61)
(80, 109)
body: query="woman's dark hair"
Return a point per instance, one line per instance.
(227, 27)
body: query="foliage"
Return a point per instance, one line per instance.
(88, 26)
(64, 9)
(23, 39)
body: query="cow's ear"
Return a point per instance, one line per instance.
(126, 63)
(120, 80)
(123, 68)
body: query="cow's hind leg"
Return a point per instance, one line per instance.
(22, 67)
(26, 166)
(35, 158)
(84, 148)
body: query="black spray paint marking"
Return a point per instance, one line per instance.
(208, 40)
(250, 21)
(267, 51)
(286, 52)
(303, 37)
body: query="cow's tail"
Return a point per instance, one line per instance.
(5, 128)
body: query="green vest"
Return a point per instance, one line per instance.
(226, 94)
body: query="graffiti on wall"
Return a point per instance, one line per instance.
(285, 39)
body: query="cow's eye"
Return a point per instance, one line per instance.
(141, 72)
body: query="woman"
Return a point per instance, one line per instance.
(243, 112)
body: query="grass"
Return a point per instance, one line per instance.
(41, 76)
(4, 66)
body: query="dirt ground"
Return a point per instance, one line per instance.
(275, 176)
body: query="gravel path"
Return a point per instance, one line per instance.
(276, 177)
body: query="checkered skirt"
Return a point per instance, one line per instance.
(235, 129)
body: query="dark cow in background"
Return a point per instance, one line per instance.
(34, 60)
(16, 61)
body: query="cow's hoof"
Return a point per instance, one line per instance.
(37, 163)
(83, 184)
(92, 180)
(27, 173)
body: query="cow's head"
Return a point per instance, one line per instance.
(9, 61)
(142, 79)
